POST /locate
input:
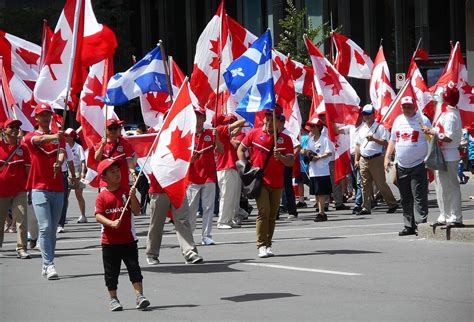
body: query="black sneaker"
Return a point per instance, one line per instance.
(364, 212)
(342, 207)
(193, 258)
(407, 231)
(391, 210)
(301, 204)
(356, 210)
(320, 217)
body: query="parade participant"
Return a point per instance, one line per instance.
(119, 241)
(410, 146)
(79, 161)
(66, 167)
(202, 177)
(228, 127)
(14, 167)
(114, 146)
(318, 153)
(448, 129)
(46, 183)
(370, 144)
(260, 143)
(142, 185)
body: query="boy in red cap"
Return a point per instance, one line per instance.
(119, 241)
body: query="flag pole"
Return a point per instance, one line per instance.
(416, 49)
(70, 71)
(219, 59)
(147, 157)
(43, 43)
(166, 68)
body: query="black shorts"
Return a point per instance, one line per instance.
(112, 257)
(320, 186)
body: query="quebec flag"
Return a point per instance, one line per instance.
(148, 75)
(249, 79)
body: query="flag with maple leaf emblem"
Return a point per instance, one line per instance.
(422, 94)
(381, 91)
(213, 55)
(395, 108)
(95, 42)
(351, 60)
(172, 155)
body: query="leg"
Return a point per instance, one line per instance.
(451, 193)
(275, 196)
(320, 199)
(367, 184)
(160, 204)
(111, 259)
(358, 197)
(228, 193)
(5, 204)
(65, 203)
(419, 188)
(289, 193)
(193, 194)
(263, 206)
(377, 172)
(183, 227)
(130, 259)
(32, 223)
(20, 217)
(80, 200)
(439, 197)
(404, 185)
(47, 229)
(207, 196)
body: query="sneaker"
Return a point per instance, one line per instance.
(152, 260)
(224, 226)
(262, 252)
(356, 210)
(206, 241)
(82, 219)
(12, 230)
(342, 207)
(115, 305)
(50, 272)
(320, 217)
(301, 204)
(60, 230)
(142, 302)
(193, 258)
(291, 217)
(269, 252)
(22, 254)
(236, 223)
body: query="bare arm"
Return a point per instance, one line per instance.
(46, 138)
(134, 203)
(107, 222)
(98, 154)
(388, 154)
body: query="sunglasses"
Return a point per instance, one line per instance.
(14, 127)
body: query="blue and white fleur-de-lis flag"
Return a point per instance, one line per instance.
(249, 79)
(147, 75)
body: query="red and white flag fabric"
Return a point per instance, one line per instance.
(351, 60)
(456, 72)
(172, 156)
(213, 56)
(422, 94)
(95, 42)
(154, 105)
(395, 108)
(381, 91)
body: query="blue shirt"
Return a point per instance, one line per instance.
(470, 145)
(304, 145)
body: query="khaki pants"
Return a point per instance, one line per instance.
(160, 204)
(18, 205)
(448, 194)
(268, 203)
(372, 171)
(230, 187)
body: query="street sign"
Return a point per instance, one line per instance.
(399, 80)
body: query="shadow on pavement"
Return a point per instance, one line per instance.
(220, 266)
(332, 252)
(257, 297)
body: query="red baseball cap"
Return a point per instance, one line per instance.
(70, 132)
(11, 121)
(230, 118)
(314, 121)
(111, 122)
(107, 163)
(43, 107)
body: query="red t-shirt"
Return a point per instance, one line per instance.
(13, 176)
(228, 158)
(259, 143)
(43, 157)
(124, 151)
(155, 187)
(203, 169)
(110, 204)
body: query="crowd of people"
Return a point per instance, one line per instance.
(41, 168)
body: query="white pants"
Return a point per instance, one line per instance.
(448, 194)
(229, 203)
(207, 194)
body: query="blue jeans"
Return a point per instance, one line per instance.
(358, 197)
(47, 206)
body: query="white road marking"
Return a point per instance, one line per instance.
(302, 269)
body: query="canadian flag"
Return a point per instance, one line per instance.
(456, 72)
(213, 55)
(95, 42)
(154, 105)
(351, 60)
(172, 155)
(381, 91)
(341, 105)
(395, 108)
(422, 94)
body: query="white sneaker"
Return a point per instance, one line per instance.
(152, 260)
(60, 230)
(50, 272)
(269, 252)
(82, 219)
(224, 226)
(262, 252)
(206, 241)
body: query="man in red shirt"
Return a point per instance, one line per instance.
(46, 183)
(260, 143)
(14, 167)
(202, 177)
(228, 178)
(114, 146)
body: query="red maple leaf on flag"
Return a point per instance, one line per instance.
(29, 57)
(215, 49)
(468, 91)
(179, 145)
(359, 59)
(159, 101)
(420, 83)
(331, 78)
(55, 51)
(95, 86)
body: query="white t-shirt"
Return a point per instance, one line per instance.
(449, 123)
(411, 146)
(353, 131)
(67, 157)
(370, 148)
(319, 168)
(78, 156)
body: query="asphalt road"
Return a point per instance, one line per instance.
(346, 269)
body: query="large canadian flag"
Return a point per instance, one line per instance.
(95, 42)
(341, 105)
(351, 60)
(172, 155)
(420, 89)
(213, 56)
(395, 108)
(381, 91)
